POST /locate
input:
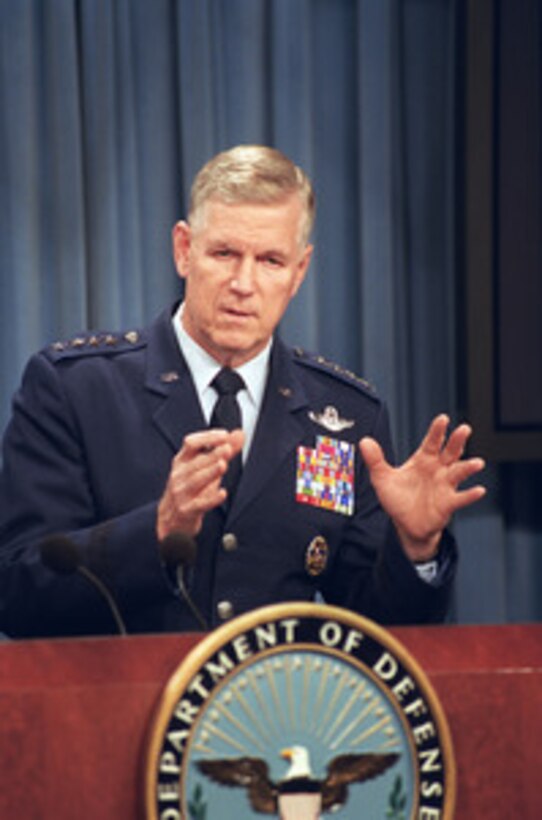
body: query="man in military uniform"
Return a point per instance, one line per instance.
(277, 463)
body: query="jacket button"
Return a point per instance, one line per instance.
(229, 541)
(224, 610)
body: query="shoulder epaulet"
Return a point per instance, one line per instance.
(96, 343)
(319, 362)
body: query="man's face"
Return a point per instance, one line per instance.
(242, 264)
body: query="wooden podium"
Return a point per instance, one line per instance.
(74, 717)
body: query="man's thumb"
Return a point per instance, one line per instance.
(371, 453)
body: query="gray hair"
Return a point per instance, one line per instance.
(253, 174)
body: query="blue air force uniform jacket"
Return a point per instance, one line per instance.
(95, 427)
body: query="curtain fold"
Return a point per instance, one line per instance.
(109, 108)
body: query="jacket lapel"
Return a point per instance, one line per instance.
(282, 425)
(176, 409)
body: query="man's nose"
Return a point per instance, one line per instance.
(243, 279)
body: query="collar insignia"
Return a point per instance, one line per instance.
(170, 376)
(330, 419)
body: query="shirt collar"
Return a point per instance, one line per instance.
(204, 367)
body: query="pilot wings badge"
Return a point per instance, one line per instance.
(329, 419)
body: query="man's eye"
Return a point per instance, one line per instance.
(223, 253)
(273, 261)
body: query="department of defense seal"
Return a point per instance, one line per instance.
(299, 711)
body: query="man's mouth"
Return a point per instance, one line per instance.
(237, 313)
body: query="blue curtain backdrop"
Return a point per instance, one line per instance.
(108, 108)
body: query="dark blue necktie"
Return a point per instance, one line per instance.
(227, 415)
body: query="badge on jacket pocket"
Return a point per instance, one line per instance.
(325, 475)
(316, 556)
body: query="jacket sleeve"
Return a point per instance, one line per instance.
(44, 490)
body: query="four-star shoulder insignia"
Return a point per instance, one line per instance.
(321, 363)
(96, 343)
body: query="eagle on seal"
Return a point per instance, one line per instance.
(298, 795)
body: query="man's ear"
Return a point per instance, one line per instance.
(181, 239)
(302, 267)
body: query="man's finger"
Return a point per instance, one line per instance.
(201, 475)
(210, 498)
(203, 441)
(455, 446)
(434, 438)
(236, 439)
(465, 498)
(463, 470)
